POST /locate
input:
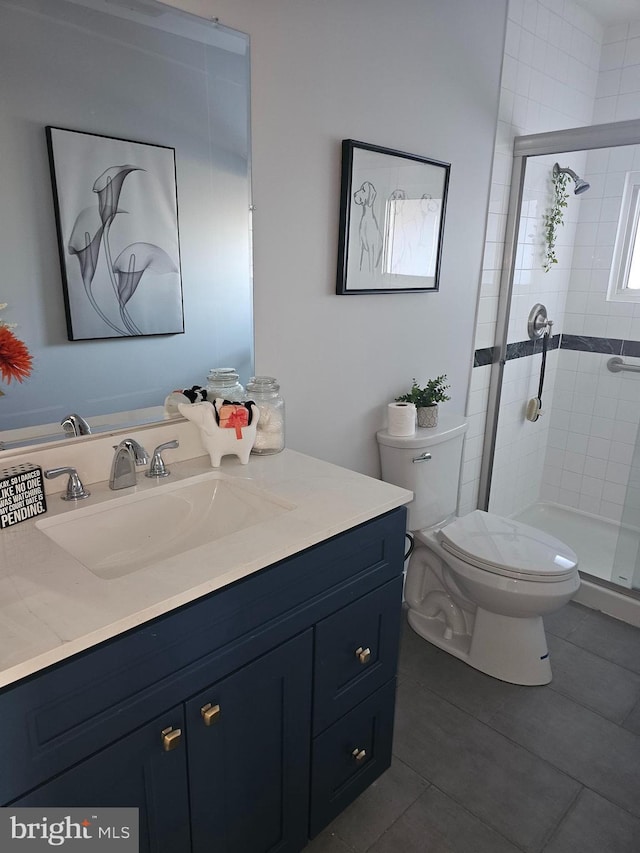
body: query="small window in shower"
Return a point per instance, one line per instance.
(624, 282)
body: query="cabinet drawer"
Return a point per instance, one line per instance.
(356, 652)
(350, 755)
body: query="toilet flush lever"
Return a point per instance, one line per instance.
(424, 457)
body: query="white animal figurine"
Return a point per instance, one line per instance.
(219, 439)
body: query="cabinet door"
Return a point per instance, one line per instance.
(248, 753)
(136, 771)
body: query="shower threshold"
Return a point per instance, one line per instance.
(607, 556)
(593, 538)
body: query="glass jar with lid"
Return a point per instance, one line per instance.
(265, 392)
(224, 382)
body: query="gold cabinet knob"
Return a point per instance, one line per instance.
(359, 754)
(363, 655)
(210, 713)
(171, 738)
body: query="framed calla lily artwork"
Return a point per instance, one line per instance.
(117, 219)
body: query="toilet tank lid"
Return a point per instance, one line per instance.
(449, 426)
(501, 544)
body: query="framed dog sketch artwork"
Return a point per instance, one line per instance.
(117, 219)
(392, 207)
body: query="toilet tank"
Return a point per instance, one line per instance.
(433, 481)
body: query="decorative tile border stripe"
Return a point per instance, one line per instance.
(518, 349)
(521, 349)
(584, 343)
(631, 348)
(580, 343)
(483, 357)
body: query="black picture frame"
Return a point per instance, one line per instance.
(116, 209)
(392, 212)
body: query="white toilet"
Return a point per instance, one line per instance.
(476, 586)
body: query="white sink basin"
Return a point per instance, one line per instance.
(125, 534)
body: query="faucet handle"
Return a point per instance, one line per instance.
(75, 490)
(157, 467)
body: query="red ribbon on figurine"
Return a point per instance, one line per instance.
(234, 417)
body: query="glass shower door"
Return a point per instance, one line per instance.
(626, 561)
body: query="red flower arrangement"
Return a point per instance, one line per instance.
(15, 360)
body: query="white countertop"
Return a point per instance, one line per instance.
(52, 607)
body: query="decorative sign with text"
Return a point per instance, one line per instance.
(21, 494)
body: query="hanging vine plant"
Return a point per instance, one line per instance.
(553, 218)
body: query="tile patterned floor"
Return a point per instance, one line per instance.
(481, 766)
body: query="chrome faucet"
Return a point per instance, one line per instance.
(128, 454)
(75, 425)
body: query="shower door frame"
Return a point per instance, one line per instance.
(588, 138)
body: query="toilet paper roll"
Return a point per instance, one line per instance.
(401, 418)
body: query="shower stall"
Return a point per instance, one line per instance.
(563, 454)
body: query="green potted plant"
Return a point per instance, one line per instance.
(554, 217)
(426, 399)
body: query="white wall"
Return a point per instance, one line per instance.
(416, 75)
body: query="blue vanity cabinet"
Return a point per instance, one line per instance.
(224, 772)
(135, 770)
(240, 723)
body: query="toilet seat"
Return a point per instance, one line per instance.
(509, 548)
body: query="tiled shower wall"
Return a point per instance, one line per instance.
(549, 82)
(618, 92)
(596, 414)
(588, 442)
(593, 432)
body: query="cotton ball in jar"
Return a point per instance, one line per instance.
(270, 431)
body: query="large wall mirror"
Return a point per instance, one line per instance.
(143, 72)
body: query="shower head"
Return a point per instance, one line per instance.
(581, 186)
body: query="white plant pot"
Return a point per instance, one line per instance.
(428, 416)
